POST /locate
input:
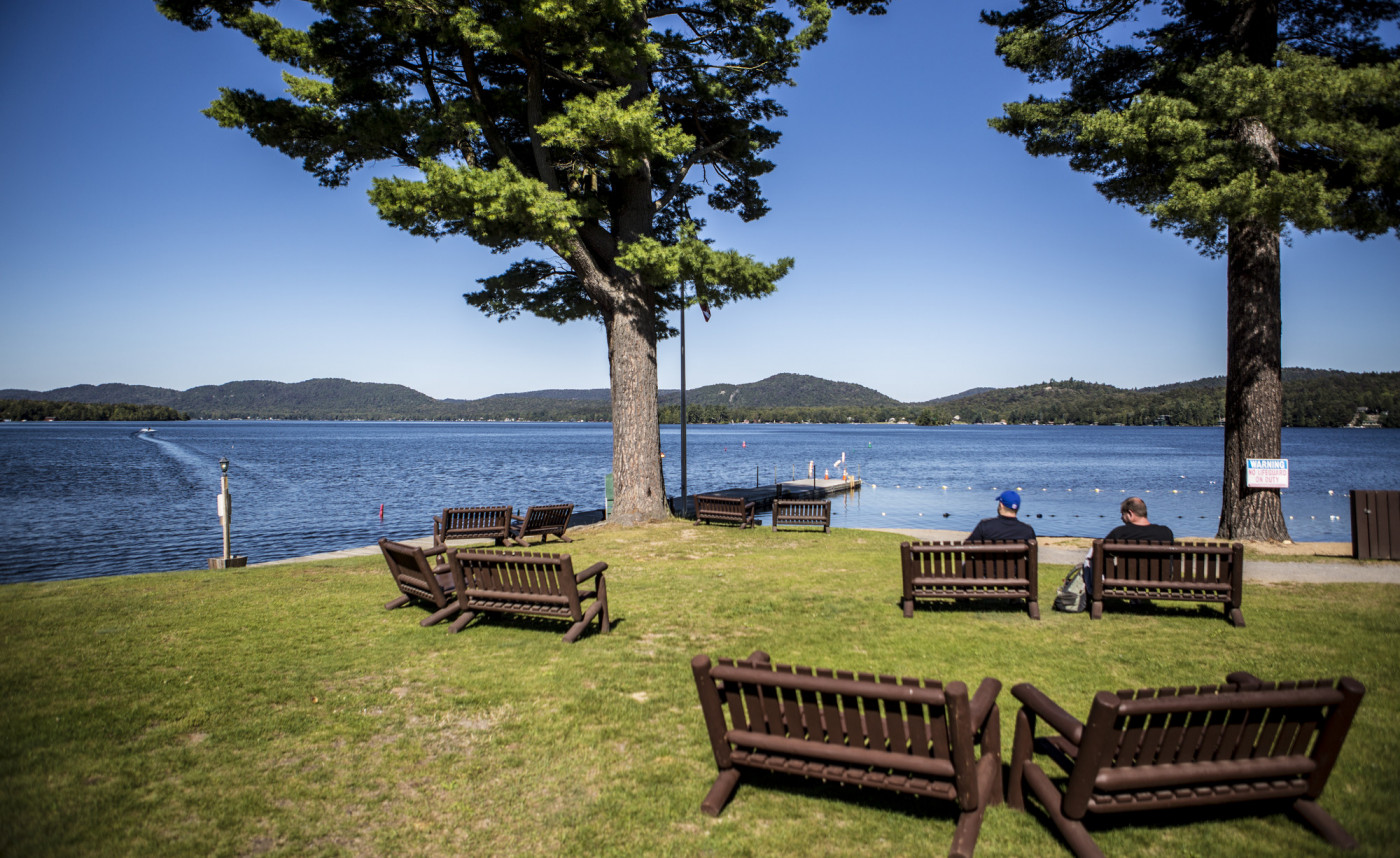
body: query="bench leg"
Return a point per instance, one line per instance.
(396, 603)
(965, 834)
(908, 608)
(461, 622)
(1234, 617)
(1323, 823)
(1096, 610)
(1022, 743)
(441, 615)
(1072, 830)
(719, 794)
(1033, 608)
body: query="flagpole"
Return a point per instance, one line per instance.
(684, 493)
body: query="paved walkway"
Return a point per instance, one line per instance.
(1052, 550)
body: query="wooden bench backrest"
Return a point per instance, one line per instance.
(1201, 563)
(1151, 744)
(476, 518)
(550, 518)
(720, 503)
(802, 508)
(859, 719)
(990, 560)
(519, 573)
(411, 571)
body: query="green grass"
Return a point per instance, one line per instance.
(281, 710)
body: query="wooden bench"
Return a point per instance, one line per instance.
(544, 522)
(418, 580)
(1168, 571)
(476, 522)
(536, 585)
(724, 509)
(970, 570)
(794, 512)
(1176, 748)
(904, 735)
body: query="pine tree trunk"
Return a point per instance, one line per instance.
(640, 495)
(1253, 383)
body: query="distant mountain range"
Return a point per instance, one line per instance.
(1312, 397)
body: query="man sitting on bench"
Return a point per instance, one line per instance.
(1135, 528)
(1005, 527)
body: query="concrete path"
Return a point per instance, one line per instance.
(1052, 550)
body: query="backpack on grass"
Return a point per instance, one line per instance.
(1073, 595)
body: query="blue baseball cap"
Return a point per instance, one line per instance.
(1009, 499)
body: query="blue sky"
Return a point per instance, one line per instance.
(140, 243)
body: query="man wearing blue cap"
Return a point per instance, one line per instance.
(1005, 526)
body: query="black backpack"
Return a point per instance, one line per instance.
(1073, 595)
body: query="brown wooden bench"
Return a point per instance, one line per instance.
(544, 522)
(536, 585)
(418, 580)
(797, 512)
(970, 570)
(904, 735)
(1175, 748)
(477, 522)
(721, 508)
(1168, 571)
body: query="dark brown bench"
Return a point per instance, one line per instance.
(970, 570)
(1168, 571)
(418, 580)
(904, 735)
(544, 522)
(1175, 748)
(536, 585)
(721, 508)
(796, 512)
(476, 522)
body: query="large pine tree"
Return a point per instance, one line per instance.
(583, 127)
(1227, 122)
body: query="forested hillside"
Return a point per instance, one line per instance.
(1311, 398)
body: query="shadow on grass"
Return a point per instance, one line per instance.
(542, 625)
(905, 804)
(1170, 819)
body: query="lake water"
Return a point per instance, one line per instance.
(83, 499)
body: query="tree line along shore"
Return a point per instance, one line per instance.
(1312, 398)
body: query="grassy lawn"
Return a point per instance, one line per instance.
(281, 710)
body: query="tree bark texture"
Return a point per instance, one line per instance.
(1254, 358)
(640, 493)
(1253, 383)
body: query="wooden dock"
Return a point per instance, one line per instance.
(762, 497)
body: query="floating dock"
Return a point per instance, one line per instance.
(762, 497)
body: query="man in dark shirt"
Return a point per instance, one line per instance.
(1136, 526)
(1005, 526)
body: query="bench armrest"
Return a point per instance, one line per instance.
(439, 548)
(595, 569)
(1244, 679)
(984, 701)
(437, 519)
(1049, 711)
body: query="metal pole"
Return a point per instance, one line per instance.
(683, 416)
(228, 515)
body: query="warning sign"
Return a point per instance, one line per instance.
(1266, 473)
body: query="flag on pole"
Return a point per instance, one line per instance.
(705, 310)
